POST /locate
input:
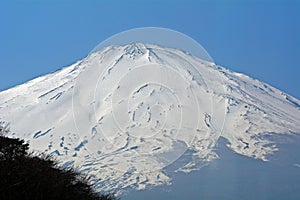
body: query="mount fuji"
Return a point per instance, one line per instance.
(125, 113)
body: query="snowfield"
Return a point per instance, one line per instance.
(124, 113)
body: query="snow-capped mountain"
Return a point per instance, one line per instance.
(124, 113)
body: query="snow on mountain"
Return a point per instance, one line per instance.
(124, 113)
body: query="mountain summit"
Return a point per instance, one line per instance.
(124, 113)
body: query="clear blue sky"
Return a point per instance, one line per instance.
(258, 38)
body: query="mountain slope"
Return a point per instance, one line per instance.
(126, 112)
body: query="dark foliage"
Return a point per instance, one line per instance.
(24, 176)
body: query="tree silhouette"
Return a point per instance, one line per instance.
(25, 176)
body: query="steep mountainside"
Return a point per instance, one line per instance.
(124, 113)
